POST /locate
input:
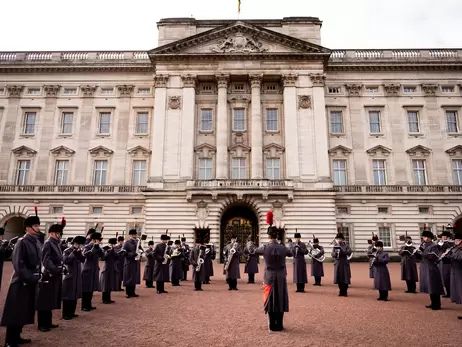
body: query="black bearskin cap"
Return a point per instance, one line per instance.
(32, 220)
(56, 228)
(177, 242)
(164, 237)
(151, 243)
(132, 232)
(183, 239)
(120, 238)
(79, 239)
(427, 233)
(379, 244)
(96, 236)
(297, 236)
(112, 241)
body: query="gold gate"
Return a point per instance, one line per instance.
(242, 228)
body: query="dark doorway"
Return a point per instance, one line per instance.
(241, 220)
(14, 227)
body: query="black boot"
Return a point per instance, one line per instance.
(149, 284)
(271, 322)
(90, 299)
(251, 278)
(435, 302)
(67, 304)
(43, 323)
(127, 292)
(230, 284)
(280, 321)
(198, 286)
(13, 336)
(235, 285)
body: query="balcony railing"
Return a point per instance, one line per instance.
(70, 189)
(352, 55)
(32, 57)
(241, 184)
(373, 189)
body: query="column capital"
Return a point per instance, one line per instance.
(51, 91)
(125, 90)
(14, 91)
(255, 80)
(189, 81)
(222, 80)
(160, 81)
(88, 91)
(288, 80)
(318, 79)
(392, 89)
(430, 89)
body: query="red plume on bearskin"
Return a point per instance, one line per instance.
(36, 211)
(63, 222)
(269, 218)
(6, 222)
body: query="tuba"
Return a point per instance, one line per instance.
(314, 252)
(200, 261)
(231, 253)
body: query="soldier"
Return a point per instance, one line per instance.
(232, 253)
(299, 250)
(89, 232)
(72, 282)
(186, 253)
(197, 261)
(276, 296)
(50, 288)
(317, 267)
(456, 267)
(382, 280)
(251, 264)
(176, 266)
(109, 276)
(342, 271)
(370, 250)
(148, 275)
(132, 267)
(120, 261)
(409, 265)
(19, 309)
(3, 251)
(210, 255)
(161, 266)
(90, 271)
(445, 264)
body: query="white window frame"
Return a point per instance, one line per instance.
(93, 208)
(273, 168)
(205, 168)
(133, 211)
(345, 229)
(457, 171)
(409, 89)
(61, 175)
(22, 174)
(455, 114)
(32, 125)
(62, 124)
(70, 91)
(138, 172)
(371, 113)
(103, 170)
(143, 91)
(238, 122)
(100, 125)
(333, 129)
(54, 209)
(448, 89)
(34, 91)
(414, 122)
(138, 124)
(418, 170)
(206, 120)
(270, 121)
(387, 239)
(339, 170)
(381, 171)
(239, 166)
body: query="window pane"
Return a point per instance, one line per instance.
(379, 171)
(374, 122)
(272, 119)
(61, 172)
(238, 169)
(142, 123)
(22, 172)
(457, 167)
(206, 120)
(336, 122)
(139, 172)
(205, 169)
(385, 236)
(238, 119)
(420, 176)
(413, 121)
(100, 172)
(451, 120)
(29, 122)
(340, 174)
(273, 169)
(104, 123)
(66, 122)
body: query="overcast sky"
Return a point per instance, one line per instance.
(131, 24)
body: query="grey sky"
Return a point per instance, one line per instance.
(131, 24)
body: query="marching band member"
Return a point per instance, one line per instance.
(176, 266)
(445, 264)
(276, 296)
(196, 258)
(210, 255)
(317, 267)
(50, 288)
(456, 267)
(382, 280)
(409, 265)
(90, 271)
(109, 277)
(186, 253)
(370, 250)
(148, 275)
(72, 282)
(132, 266)
(120, 262)
(342, 272)
(251, 264)
(89, 233)
(299, 251)
(3, 247)
(161, 266)
(19, 309)
(232, 253)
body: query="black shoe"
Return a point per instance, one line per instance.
(74, 315)
(67, 318)
(230, 288)
(446, 296)
(164, 291)
(199, 290)
(159, 292)
(44, 329)
(436, 308)
(133, 296)
(93, 308)
(459, 317)
(86, 309)
(429, 306)
(11, 345)
(54, 326)
(24, 341)
(106, 302)
(235, 289)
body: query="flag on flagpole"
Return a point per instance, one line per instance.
(238, 6)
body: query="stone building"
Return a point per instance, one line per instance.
(225, 120)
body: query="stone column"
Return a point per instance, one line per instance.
(291, 126)
(120, 155)
(188, 128)
(158, 134)
(257, 129)
(222, 133)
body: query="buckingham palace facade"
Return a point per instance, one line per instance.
(226, 120)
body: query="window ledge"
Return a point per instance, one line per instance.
(239, 131)
(136, 135)
(27, 135)
(416, 134)
(338, 134)
(376, 134)
(64, 135)
(272, 132)
(455, 134)
(103, 135)
(206, 132)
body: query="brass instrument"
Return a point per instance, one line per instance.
(445, 254)
(166, 256)
(230, 257)
(139, 250)
(176, 252)
(200, 261)
(297, 247)
(314, 252)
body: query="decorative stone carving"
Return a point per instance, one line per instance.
(278, 213)
(62, 151)
(239, 150)
(273, 150)
(51, 91)
(418, 151)
(429, 89)
(455, 151)
(24, 151)
(238, 138)
(339, 150)
(139, 151)
(174, 102)
(202, 212)
(222, 80)
(379, 150)
(392, 89)
(125, 90)
(318, 79)
(354, 89)
(239, 99)
(160, 81)
(14, 91)
(101, 151)
(189, 81)
(304, 101)
(205, 150)
(255, 81)
(88, 91)
(289, 80)
(239, 43)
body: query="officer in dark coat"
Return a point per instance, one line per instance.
(197, 261)
(407, 253)
(371, 249)
(232, 252)
(50, 289)
(148, 275)
(19, 309)
(132, 267)
(317, 267)
(72, 282)
(299, 251)
(342, 271)
(109, 275)
(89, 233)
(382, 281)
(276, 294)
(445, 264)
(120, 261)
(210, 255)
(456, 268)
(3, 248)
(251, 264)
(176, 266)
(186, 254)
(90, 271)
(161, 265)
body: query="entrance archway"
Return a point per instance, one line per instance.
(14, 226)
(241, 220)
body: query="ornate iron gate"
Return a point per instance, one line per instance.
(242, 228)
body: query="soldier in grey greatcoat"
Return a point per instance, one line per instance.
(19, 309)
(317, 267)
(72, 281)
(148, 275)
(299, 251)
(196, 258)
(90, 270)
(251, 264)
(382, 281)
(276, 295)
(371, 249)
(132, 266)
(3, 249)
(108, 281)
(445, 264)
(50, 289)
(161, 266)
(232, 253)
(176, 266)
(342, 271)
(120, 262)
(409, 274)
(186, 254)
(456, 268)
(210, 255)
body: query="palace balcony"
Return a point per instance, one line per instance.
(66, 189)
(398, 189)
(395, 54)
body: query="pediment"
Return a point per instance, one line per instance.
(238, 38)
(379, 150)
(419, 150)
(62, 150)
(456, 150)
(273, 149)
(100, 150)
(139, 150)
(205, 148)
(339, 150)
(24, 151)
(239, 149)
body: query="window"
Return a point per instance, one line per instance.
(273, 169)
(57, 210)
(22, 172)
(34, 91)
(139, 173)
(375, 126)
(410, 89)
(100, 172)
(457, 169)
(336, 122)
(334, 90)
(2, 90)
(70, 91)
(447, 89)
(271, 87)
(239, 171)
(206, 120)
(66, 122)
(144, 90)
(380, 172)
(239, 86)
(205, 169)
(61, 172)
(207, 87)
(345, 230)
(385, 236)
(372, 89)
(420, 173)
(342, 210)
(104, 126)
(29, 122)
(97, 209)
(107, 90)
(424, 210)
(238, 119)
(340, 172)
(136, 210)
(272, 119)
(382, 210)
(451, 119)
(413, 121)
(142, 123)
